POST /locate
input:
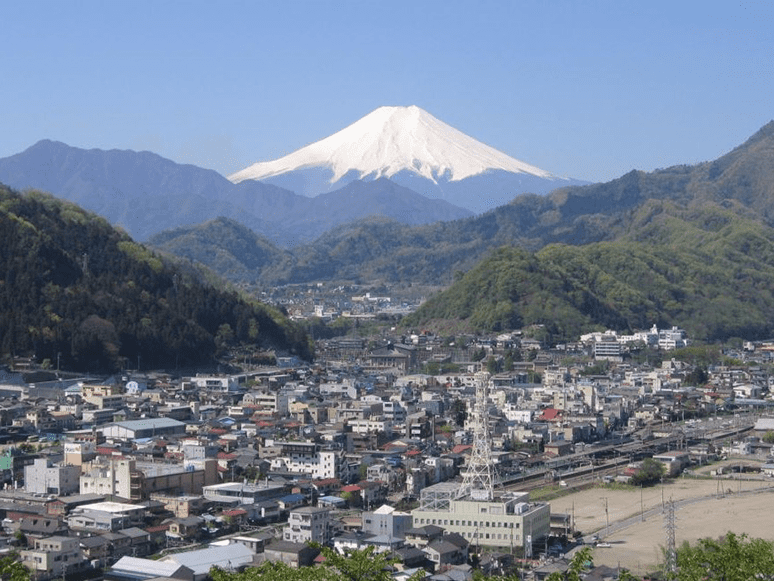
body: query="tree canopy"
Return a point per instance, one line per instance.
(355, 565)
(75, 290)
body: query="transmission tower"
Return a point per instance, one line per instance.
(670, 566)
(478, 481)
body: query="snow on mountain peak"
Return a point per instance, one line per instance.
(393, 139)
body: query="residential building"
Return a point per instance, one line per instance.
(385, 520)
(233, 493)
(308, 524)
(54, 557)
(100, 517)
(44, 477)
(309, 459)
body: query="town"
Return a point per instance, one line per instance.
(417, 445)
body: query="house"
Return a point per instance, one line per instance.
(41, 526)
(54, 557)
(292, 554)
(674, 461)
(105, 517)
(187, 528)
(443, 553)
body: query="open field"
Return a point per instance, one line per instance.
(740, 506)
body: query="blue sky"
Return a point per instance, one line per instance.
(586, 89)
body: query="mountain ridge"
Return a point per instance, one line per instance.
(571, 215)
(145, 194)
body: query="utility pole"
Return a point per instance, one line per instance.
(607, 516)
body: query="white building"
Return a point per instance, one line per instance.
(43, 477)
(308, 524)
(508, 520)
(309, 459)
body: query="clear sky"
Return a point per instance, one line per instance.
(587, 89)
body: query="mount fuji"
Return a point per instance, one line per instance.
(413, 149)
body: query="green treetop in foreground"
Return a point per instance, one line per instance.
(365, 565)
(12, 570)
(731, 558)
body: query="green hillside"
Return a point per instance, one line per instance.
(74, 288)
(706, 269)
(227, 247)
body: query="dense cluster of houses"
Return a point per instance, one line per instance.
(99, 475)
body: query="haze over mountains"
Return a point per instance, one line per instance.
(397, 151)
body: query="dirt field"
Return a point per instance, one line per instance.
(638, 547)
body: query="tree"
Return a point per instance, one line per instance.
(578, 565)
(650, 472)
(459, 412)
(11, 569)
(479, 354)
(731, 558)
(355, 565)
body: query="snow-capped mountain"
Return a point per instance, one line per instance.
(416, 150)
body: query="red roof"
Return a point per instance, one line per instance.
(351, 488)
(234, 512)
(460, 448)
(550, 414)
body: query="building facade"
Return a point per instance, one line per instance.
(508, 520)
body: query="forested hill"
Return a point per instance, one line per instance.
(73, 286)
(384, 250)
(706, 269)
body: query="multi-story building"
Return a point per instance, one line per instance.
(222, 383)
(134, 480)
(54, 557)
(387, 521)
(308, 524)
(606, 346)
(507, 520)
(101, 517)
(309, 459)
(44, 477)
(182, 506)
(239, 493)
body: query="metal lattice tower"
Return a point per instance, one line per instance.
(478, 480)
(670, 566)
